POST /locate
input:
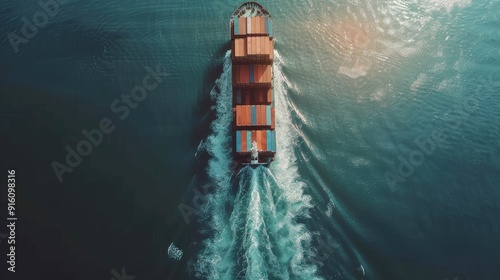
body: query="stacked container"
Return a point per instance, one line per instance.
(252, 47)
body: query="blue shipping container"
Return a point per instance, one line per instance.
(269, 26)
(254, 115)
(271, 140)
(236, 25)
(238, 96)
(238, 141)
(268, 115)
(249, 140)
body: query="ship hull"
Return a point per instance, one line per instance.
(252, 56)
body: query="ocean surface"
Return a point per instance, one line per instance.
(388, 163)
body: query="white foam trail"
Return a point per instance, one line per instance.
(287, 178)
(218, 145)
(260, 238)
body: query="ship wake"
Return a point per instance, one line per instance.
(252, 222)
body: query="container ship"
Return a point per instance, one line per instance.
(252, 55)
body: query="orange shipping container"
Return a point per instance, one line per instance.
(238, 116)
(248, 115)
(259, 45)
(243, 116)
(244, 74)
(257, 42)
(235, 47)
(249, 25)
(239, 47)
(267, 73)
(258, 139)
(244, 140)
(263, 45)
(242, 25)
(262, 115)
(271, 49)
(243, 46)
(264, 74)
(267, 46)
(258, 73)
(250, 45)
(264, 141)
(253, 25)
(254, 45)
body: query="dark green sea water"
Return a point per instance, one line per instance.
(388, 162)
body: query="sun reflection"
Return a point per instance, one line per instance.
(355, 40)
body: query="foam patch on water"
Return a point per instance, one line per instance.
(174, 253)
(418, 82)
(354, 72)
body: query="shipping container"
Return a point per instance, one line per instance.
(238, 141)
(249, 140)
(240, 47)
(235, 25)
(254, 115)
(249, 25)
(238, 96)
(269, 27)
(255, 45)
(258, 96)
(273, 119)
(265, 139)
(253, 24)
(242, 24)
(257, 25)
(271, 140)
(252, 73)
